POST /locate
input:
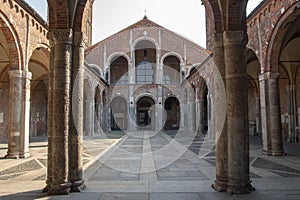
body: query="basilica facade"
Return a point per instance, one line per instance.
(145, 69)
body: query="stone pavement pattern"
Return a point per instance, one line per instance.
(149, 165)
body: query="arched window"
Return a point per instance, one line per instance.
(144, 73)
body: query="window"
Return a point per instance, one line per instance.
(167, 79)
(144, 73)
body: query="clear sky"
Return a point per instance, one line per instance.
(110, 16)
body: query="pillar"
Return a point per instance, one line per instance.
(90, 111)
(76, 123)
(200, 112)
(60, 112)
(25, 117)
(160, 121)
(292, 113)
(270, 114)
(220, 183)
(237, 120)
(19, 105)
(49, 180)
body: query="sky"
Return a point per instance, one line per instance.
(186, 18)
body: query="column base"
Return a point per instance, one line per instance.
(78, 186)
(238, 188)
(11, 156)
(63, 189)
(274, 152)
(220, 185)
(24, 155)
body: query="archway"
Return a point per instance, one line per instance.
(145, 60)
(172, 109)
(171, 70)
(145, 113)
(119, 71)
(38, 109)
(39, 67)
(253, 71)
(119, 114)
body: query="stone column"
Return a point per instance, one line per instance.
(25, 117)
(89, 120)
(258, 120)
(159, 109)
(270, 114)
(60, 112)
(237, 120)
(220, 183)
(183, 106)
(76, 123)
(292, 113)
(17, 141)
(201, 115)
(210, 116)
(49, 180)
(131, 111)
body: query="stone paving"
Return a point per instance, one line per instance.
(149, 165)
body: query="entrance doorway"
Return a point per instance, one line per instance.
(145, 114)
(172, 108)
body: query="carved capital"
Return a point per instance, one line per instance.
(60, 36)
(80, 39)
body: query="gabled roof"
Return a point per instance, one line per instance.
(145, 22)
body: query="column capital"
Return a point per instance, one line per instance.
(217, 40)
(60, 36)
(233, 37)
(268, 75)
(20, 74)
(80, 39)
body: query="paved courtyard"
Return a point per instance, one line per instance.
(150, 165)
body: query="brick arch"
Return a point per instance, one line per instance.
(116, 55)
(78, 20)
(44, 47)
(277, 36)
(236, 10)
(177, 55)
(58, 14)
(214, 16)
(64, 15)
(13, 40)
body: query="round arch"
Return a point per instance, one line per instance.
(172, 54)
(275, 40)
(114, 55)
(144, 39)
(14, 46)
